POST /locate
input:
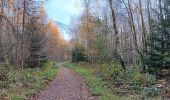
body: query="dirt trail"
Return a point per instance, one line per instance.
(68, 85)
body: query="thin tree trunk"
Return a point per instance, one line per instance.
(118, 56)
(143, 27)
(149, 15)
(133, 26)
(161, 21)
(22, 37)
(1, 40)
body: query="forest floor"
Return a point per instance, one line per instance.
(96, 85)
(68, 85)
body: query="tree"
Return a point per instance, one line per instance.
(143, 26)
(15, 17)
(37, 40)
(78, 54)
(118, 56)
(159, 41)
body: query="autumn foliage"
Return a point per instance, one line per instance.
(58, 48)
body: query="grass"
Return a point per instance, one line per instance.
(26, 83)
(95, 83)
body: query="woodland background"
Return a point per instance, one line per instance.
(125, 42)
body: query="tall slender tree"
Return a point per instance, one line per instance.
(117, 54)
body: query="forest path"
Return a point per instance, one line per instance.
(68, 85)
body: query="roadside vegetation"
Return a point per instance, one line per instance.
(126, 43)
(28, 42)
(121, 47)
(114, 83)
(22, 84)
(94, 83)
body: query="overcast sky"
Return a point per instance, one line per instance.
(62, 10)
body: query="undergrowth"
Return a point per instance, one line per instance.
(20, 85)
(95, 84)
(130, 83)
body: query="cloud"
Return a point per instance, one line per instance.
(62, 11)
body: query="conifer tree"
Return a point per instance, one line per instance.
(37, 41)
(159, 40)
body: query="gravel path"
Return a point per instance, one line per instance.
(68, 85)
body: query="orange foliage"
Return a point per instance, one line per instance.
(10, 1)
(55, 33)
(57, 45)
(62, 43)
(52, 27)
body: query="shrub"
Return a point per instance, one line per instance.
(108, 71)
(136, 76)
(130, 80)
(148, 79)
(152, 91)
(3, 77)
(26, 82)
(78, 54)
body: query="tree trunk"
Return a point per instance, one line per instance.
(143, 27)
(1, 41)
(22, 35)
(149, 15)
(118, 56)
